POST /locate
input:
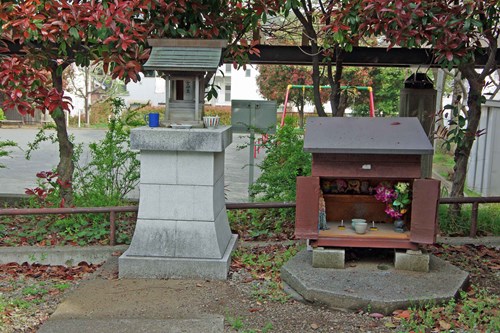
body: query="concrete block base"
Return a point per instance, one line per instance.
(142, 267)
(412, 261)
(367, 286)
(328, 258)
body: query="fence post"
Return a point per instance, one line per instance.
(112, 228)
(474, 214)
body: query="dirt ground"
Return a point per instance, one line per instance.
(239, 299)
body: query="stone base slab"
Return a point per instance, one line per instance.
(368, 286)
(142, 267)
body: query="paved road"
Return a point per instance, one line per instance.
(20, 173)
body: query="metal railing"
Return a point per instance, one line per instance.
(475, 201)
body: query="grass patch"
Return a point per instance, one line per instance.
(487, 224)
(474, 311)
(263, 264)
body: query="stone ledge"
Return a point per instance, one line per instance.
(135, 267)
(58, 255)
(193, 139)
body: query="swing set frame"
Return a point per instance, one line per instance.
(304, 87)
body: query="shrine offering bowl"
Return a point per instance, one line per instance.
(360, 227)
(211, 121)
(356, 221)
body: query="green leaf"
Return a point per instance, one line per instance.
(62, 47)
(74, 33)
(461, 121)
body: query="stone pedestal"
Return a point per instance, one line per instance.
(182, 229)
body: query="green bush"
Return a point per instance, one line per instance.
(113, 170)
(2, 114)
(285, 160)
(3, 146)
(224, 113)
(111, 173)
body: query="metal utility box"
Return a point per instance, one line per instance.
(418, 99)
(365, 152)
(256, 116)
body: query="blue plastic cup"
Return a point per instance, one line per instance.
(152, 119)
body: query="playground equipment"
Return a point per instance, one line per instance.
(361, 88)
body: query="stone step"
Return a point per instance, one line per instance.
(212, 324)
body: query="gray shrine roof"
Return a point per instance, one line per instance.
(184, 55)
(398, 135)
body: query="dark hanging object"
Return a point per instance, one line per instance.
(419, 81)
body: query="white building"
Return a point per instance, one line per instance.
(231, 83)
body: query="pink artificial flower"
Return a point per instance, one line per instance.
(392, 212)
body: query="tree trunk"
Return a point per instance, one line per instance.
(463, 149)
(65, 167)
(334, 80)
(301, 113)
(316, 81)
(88, 92)
(307, 22)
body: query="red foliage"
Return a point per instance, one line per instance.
(54, 34)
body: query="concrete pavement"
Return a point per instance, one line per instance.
(20, 173)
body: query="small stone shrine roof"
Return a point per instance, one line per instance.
(184, 55)
(397, 135)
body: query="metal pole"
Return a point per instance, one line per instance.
(251, 167)
(197, 99)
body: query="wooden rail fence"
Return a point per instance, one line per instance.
(112, 211)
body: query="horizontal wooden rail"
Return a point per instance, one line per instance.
(475, 201)
(73, 210)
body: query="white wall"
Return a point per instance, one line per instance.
(242, 87)
(244, 84)
(483, 174)
(149, 89)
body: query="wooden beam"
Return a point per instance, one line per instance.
(360, 56)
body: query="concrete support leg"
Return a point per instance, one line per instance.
(410, 260)
(328, 258)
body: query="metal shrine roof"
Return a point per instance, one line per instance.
(340, 135)
(184, 55)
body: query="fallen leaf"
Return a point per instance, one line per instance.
(404, 314)
(376, 315)
(444, 326)
(314, 326)
(199, 285)
(390, 325)
(255, 309)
